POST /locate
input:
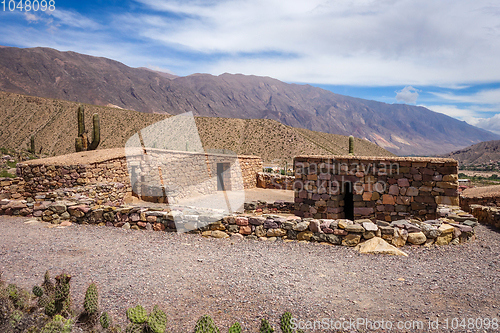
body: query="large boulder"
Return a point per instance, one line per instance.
(417, 238)
(377, 245)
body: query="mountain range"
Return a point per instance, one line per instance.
(481, 153)
(400, 128)
(53, 124)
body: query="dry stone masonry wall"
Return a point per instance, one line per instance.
(107, 180)
(275, 181)
(486, 214)
(453, 227)
(466, 202)
(161, 175)
(407, 210)
(365, 187)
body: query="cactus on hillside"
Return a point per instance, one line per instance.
(206, 325)
(82, 142)
(91, 301)
(50, 308)
(13, 292)
(47, 285)
(351, 145)
(32, 145)
(265, 327)
(45, 293)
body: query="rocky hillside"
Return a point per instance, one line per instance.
(481, 153)
(402, 129)
(53, 123)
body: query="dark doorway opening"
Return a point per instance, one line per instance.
(348, 201)
(223, 177)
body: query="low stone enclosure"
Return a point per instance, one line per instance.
(108, 175)
(411, 208)
(486, 215)
(62, 208)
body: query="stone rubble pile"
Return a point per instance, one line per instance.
(278, 206)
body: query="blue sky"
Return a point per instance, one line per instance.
(444, 55)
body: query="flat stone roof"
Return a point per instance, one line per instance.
(96, 156)
(379, 158)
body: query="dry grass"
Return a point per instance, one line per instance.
(53, 122)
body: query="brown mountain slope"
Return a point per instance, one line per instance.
(484, 152)
(53, 122)
(402, 129)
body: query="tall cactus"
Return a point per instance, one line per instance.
(91, 301)
(351, 145)
(82, 142)
(32, 145)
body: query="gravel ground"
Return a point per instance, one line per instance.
(189, 276)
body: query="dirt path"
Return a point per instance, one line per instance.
(247, 280)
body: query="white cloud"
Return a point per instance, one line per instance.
(30, 17)
(338, 42)
(491, 124)
(364, 42)
(471, 115)
(487, 96)
(454, 111)
(408, 95)
(160, 69)
(72, 19)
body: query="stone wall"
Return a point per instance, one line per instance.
(373, 187)
(275, 181)
(162, 175)
(100, 193)
(250, 167)
(489, 200)
(456, 228)
(104, 175)
(93, 180)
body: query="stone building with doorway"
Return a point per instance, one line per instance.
(385, 188)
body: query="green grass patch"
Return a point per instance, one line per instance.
(4, 174)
